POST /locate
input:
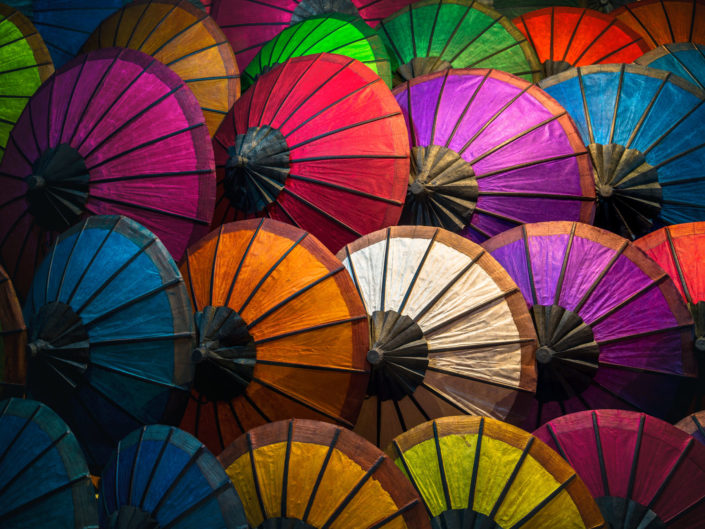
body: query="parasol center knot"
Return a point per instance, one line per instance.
(37, 346)
(605, 190)
(700, 344)
(375, 356)
(544, 354)
(418, 188)
(35, 182)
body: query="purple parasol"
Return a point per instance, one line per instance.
(613, 330)
(491, 151)
(112, 132)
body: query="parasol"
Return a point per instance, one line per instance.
(24, 6)
(613, 330)
(183, 38)
(694, 424)
(432, 35)
(564, 37)
(450, 331)
(334, 33)
(110, 333)
(643, 472)
(26, 64)
(480, 472)
(43, 474)
(160, 476)
(13, 339)
(489, 152)
(684, 59)
(249, 24)
(113, 132)
(318, 142)
(665, 21)
(282, 332)
(302, 474)
(641, 127)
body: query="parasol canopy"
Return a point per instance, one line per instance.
(249, 24)
(665, 21)
(643, 472)
(281, 331)
(613, 330)
(480, 472)
(109, 332)
(160, 476)
(332, 33)
(303, 474)
(564, 37)
(13, 339)
(490, 151)
(113, 132)
(694, 424)
(680, 251)
(449, 329)
(183, 38)
(318, 142)
(43, 474)
(432, 35)
(684, 59)
(26, 64)
(641, 127)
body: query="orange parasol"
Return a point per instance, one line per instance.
(282, 332)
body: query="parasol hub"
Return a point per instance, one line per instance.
(605, 190)
(35, 182)
(700, 344)
(418, 188)
(36, 346)
(544, 354)
(375, 356)
(256, 169)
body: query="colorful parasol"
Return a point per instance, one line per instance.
(302, 474)
(249, 24)
(613, 330)
(684, 59)
(24, 6)
(665, 21)
(281, 330)
(43, 474)
(564, 37)
(490, 151)
(183, 38)
(334, 33)
(694, 424)
(432, 35)
(160, 476)
(110, 333)
(450, 331)
(480, 472)
(26, 64)
(318, 142)
(113, 132)
(643, 472)
(13, 339)
(641, 127)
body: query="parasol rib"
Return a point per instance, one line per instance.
(548, 499)
(322, 471)
(303, 402)
(343, 504)
(654, 283)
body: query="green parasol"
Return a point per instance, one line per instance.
(337, 33)
(434, 35)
